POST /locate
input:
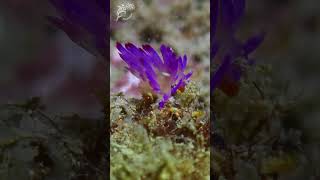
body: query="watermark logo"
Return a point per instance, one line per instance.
(124, 11)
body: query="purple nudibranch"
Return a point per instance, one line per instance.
(165, 75)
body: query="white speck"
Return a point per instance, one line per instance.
(165, 74)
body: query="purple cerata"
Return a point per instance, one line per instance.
(165, 76)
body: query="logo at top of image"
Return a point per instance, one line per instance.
(124, 11)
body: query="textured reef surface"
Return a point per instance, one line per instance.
(160, 110)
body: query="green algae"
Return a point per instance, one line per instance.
(171, 143)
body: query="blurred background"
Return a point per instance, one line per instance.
(39, 60)
(292, 47)
(67, 139)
